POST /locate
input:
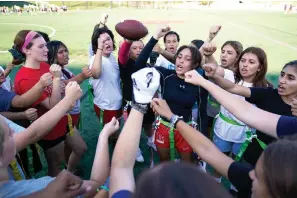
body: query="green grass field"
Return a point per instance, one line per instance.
(275, 32)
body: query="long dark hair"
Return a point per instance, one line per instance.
(196, 56)
(259, 80)
(53, 48)
(291, 64)
(177, 180)
(97, 32)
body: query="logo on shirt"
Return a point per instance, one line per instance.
(182, 86)
(149, 78)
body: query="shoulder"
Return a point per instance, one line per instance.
(238, 174)
(228, 74)
(286, 125)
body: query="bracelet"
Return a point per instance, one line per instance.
(104, 188)
(139, 107)
(174, 120)
(100, 49)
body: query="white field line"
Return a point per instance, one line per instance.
(264, 36)
(31, 24)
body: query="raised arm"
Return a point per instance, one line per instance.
(124, 52)
(123, 160)
(146, 51)
(96, 66)
(56, 91)
(31, 96)
(45, 123)
(212, 71)
(200, 143)
(244, 111)
(100, 168)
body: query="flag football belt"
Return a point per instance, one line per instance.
(171, 136)
(212, 103)
(249, 137)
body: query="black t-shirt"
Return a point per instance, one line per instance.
(238, 175)
(125, 73)
(179, 95)
(287, 125)
(269, 100)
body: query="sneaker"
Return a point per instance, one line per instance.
(139, 157)
(151, 144)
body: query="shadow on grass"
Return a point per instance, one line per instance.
(90, 130)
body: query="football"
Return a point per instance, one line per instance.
(131, 29)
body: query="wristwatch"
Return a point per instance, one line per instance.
(174, 120)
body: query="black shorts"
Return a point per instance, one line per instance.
(47, 144)
(148, 118)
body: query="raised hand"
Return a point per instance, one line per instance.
(86, 72)
(208, 49)
(161, 108)
(194, 77)
(46, 80)
(162, 30)
(110, 128)
(56, 71)
(210, 69)
(31, 114)
(104, 18)
(100, 42)
(145, 84)
(73, 91)
(213, 31)
(157, 48)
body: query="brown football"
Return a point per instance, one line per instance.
(131, 29)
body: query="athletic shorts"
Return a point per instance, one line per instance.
(48, 144)
(162, 140)
(108, 114)
(75, 119)
(226, 146)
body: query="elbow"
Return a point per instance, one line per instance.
(95, 74)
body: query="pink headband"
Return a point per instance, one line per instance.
(28, 39)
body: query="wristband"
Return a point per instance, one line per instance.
(104, 188)
(174, 120)
(140, 107)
